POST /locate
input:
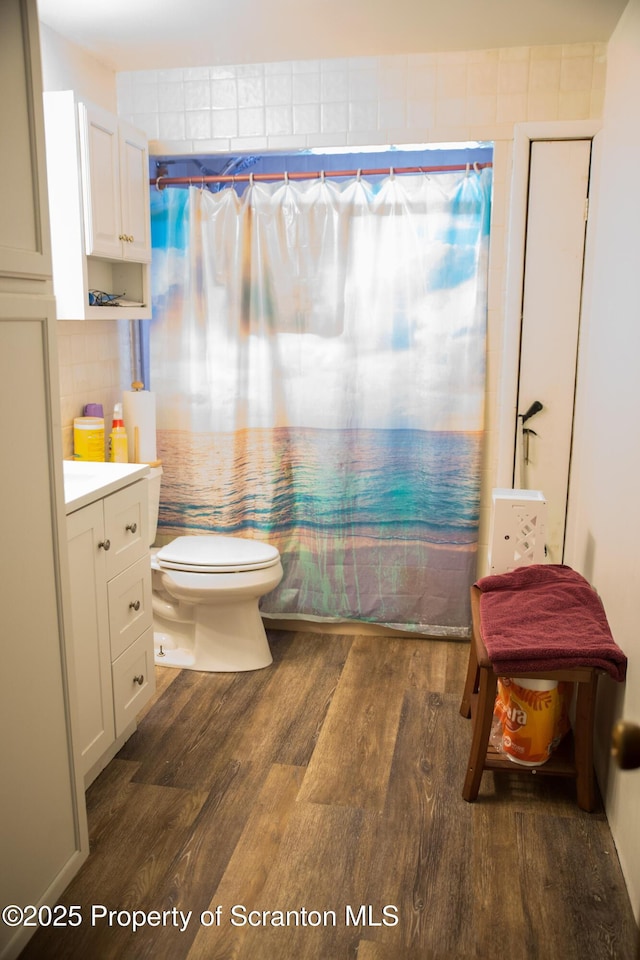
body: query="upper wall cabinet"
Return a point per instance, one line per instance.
(98, 174)
(24, 225)
(115, 179)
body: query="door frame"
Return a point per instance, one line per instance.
(524, 134)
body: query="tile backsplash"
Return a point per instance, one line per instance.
(93, 358)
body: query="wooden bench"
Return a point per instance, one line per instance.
(573, 757)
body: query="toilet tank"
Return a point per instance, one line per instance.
(154, 479)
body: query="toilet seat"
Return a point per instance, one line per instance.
(216, 554)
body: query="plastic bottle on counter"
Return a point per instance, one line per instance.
(118, 445)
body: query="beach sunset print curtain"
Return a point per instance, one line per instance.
(318, 355)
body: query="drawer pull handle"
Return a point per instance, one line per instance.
(132, 527)
(139, 679)
(105, 544)
(134, 605)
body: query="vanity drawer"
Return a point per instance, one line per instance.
(134, 680)
(126, 523)
(129, 605)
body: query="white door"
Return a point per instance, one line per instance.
(552, 292)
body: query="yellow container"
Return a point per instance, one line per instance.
(88, 438)
(532, 716)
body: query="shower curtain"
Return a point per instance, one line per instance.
(318, 356)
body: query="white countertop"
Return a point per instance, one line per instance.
(86, 481)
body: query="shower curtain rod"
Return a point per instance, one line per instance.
(161, 182)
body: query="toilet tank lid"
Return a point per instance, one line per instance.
(216, 553)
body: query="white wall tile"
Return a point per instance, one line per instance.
(334, 117)
(544, 75)
(145, 97)
(278, 89)
(197, 94)
(363, 116)
(198, 124)
(306, 88)
(224, 123)
(171, 126)
(278, 121)
(334, 86)
(224, 94)
(251, 122)
(306, 118)
(363, 84)
(250, 91)
(171, 97)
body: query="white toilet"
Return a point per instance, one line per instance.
(206, 591)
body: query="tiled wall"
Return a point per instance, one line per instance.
(472, 95)
(93, 358)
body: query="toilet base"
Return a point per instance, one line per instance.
(211, 621)
(226, 638)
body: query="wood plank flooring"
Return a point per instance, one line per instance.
(324, 794)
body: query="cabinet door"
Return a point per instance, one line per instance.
(100, 155)
(90, 623)
(43, 824)
(134, 189)
(24, 222)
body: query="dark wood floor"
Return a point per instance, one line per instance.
(324, 794)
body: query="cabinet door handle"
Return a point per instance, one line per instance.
(122, 236)
(132, 527)
(105, 544)
(139, 679)
(134, 605)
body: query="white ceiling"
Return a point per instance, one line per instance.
(156, 34)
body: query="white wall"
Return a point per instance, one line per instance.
(66, 66)
(90, 353)
(604, 520)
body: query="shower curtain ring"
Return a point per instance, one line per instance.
(158, 187)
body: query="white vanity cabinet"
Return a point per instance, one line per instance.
(98, 177)
(110, 575)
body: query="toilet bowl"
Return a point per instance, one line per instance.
(206, 592)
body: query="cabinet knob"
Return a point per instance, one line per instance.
(122, 236)
(132, 527)
(134, 605)
(105, 544)
(139, 679)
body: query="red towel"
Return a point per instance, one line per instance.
(546, 617)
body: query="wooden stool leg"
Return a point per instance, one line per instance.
(481, 730)
(471, 683)
(583, 739)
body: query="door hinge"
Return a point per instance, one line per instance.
(586, 208)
